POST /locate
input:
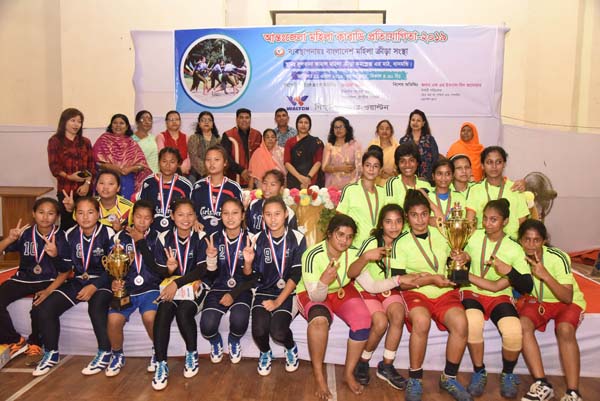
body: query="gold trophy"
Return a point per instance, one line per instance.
(117, 264)
(457, 230)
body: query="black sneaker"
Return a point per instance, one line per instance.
(391, 375)
(361, 373)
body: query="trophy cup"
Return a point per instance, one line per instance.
(117, 264)
(457, 230)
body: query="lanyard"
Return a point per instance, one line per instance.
(183, 266)
(372, 213)
(483, 266)
(434, 265)
(449, 202)
(235, 255)
(280, 268)
(499, 194)
(38, 259)
(164, 207)
(214, 205)
(85, 260)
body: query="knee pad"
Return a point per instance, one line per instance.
(319, 312)
(512, 333)
(475, 322)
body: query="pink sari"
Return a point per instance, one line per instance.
(263, 160)
(123, 152)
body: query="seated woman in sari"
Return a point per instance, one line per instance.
(303, 170)
(116, 151)
(267, 157)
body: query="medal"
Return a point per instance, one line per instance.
(541, 310)
(214, 222)
(540, 292)
(386, 293)
(139, 280)
(85, 259)
(38, 259)
(137, 260)
(182, 261)
(280, 267)
(483, 266)
(231, 266)
(341, 293)
(214, 206)
(164, 206)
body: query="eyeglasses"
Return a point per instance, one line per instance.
(339, 127)
(340, 236)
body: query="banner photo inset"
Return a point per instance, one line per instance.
(372, 69)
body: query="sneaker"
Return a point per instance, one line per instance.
(509, 385)
(264, 363)
(454, 388)
(152, 365)
(216, 349)
(390, 374)
(571, 396)
(18, 348)
(414, 389)
(361, 373)
(539, 391)
(98, 364)
(161, 376)
(117, 361)
(191, 364)
(235, 351)
(49, 360)
(478, 382)
(291, 359)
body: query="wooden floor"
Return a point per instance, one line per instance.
(221, 382)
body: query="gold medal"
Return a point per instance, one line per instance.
(37, 269)
(341, 293)
(386, 293)
(541, 310)
(85, 276)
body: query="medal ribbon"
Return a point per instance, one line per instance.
(435, 264)
(449, 202)
(372, 213)
(138, 260)
(235, 255)
(164, 207)
(540, 292)
(483, 267)
(280, 268)
(214, 205)
(85, 260)
(499, 193)
(337, 275)
(182, 265)
(34, 243)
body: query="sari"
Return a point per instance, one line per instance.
(472, 149)
(335, 156)
(388, 159)
(122, 151)
(298, 154)
(263, 160)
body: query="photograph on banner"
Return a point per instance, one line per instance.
(213, 71)
(370, 69)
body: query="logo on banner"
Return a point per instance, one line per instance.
(279, 51)
(297, 103)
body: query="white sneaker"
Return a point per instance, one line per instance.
(117, 361)
(235, 351)
(264, 363)
(291, 359)
(152, 365)
(571, 396)
(161, 376)
(98, 364)
(539, 391)
(216, 350)
(191, 364)
(49, 360)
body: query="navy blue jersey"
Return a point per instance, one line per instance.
(150, 279)
(196, 251)
(181, 188)
(224, 268)
(80, 251)
(254, 217)
(264, 265)
(28, 244)
(204, 202)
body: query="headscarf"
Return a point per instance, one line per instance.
(471, 148)
(263, 160)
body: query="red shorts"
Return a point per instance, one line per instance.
(437, 307)
(351, 308)
(488, 303)
(529, 307)
(379, 303)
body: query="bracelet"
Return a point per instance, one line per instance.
(309, 176)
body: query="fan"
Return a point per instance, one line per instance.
(541, 186)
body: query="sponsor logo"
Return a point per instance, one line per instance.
(279, 51)
(297, 103)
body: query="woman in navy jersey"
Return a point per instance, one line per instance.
(89, 241)
(43, 251)
(277, 268)
(210, 192)
(179, 253)
(165, 187)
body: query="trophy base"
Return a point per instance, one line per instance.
(120, 303)
(459, 277)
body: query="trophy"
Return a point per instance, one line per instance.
(117, 264)
(457, 230)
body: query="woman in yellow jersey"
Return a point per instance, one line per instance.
(407, 159)
(363, 200)
(461, 181)
(496, 186)
(326, 289)
(497, 263)
(379, 283)
(443, 198)
(557, 296)
(423, 249)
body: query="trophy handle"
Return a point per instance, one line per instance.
(440, 226)
(105, 262)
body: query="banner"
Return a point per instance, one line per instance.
(372, 70)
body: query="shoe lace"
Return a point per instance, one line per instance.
(511, 379)
(413, 386)
(97, 358)
(160, 370)
(264, 358)
(189, 359)
(45, 358)
(289, 356)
